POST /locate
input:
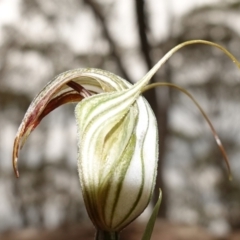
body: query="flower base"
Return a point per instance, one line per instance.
(103, 235)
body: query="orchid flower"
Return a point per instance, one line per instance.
(117, 140)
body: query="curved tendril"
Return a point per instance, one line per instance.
(156, 67)
(235, 61)
(218, 141)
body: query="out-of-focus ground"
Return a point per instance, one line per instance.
(163, 230)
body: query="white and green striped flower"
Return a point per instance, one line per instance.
(117, 142)
(117, 138)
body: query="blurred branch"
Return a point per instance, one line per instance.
(9, 98)
(142, 27)
(111, 42)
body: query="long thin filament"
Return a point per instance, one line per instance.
(218, 141)
(158, 65)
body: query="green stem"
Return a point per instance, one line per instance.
(103, 235)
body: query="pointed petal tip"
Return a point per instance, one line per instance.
(15, 157)
(16, 173)
(15, 167)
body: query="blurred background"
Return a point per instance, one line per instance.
(40, 39)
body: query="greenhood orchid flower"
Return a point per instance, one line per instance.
(117, 138)
(117, 142)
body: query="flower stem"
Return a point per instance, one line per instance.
(103, 235)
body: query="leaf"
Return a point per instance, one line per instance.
(150, 225)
